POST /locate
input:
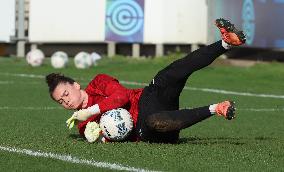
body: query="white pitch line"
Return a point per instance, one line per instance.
(218, 91)
(236, 93)
(30, 108)
(6, 82)
(210, 90)
(262, 109)
(23, 75)
(73, 159)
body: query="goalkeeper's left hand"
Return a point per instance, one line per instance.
(93, 132)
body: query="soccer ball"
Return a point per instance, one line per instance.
(59, 59)
(83, 60)
(116, 124)
(35, 58)
(95, 57)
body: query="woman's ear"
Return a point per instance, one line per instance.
(77, 85)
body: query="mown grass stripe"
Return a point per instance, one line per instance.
(210, 90)
(60, 108)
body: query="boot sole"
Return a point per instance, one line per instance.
(229, 27)
(231, 111)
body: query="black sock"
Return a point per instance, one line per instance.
(176, 120)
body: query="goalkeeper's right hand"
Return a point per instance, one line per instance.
(82, 115)
(70, 122)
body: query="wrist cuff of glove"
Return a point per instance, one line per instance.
(95, 109)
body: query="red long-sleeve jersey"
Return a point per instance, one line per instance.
(108, 93)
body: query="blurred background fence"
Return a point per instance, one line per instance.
(138, 27)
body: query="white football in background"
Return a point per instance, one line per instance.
(35, 57)
(95, 58)
(83, 60)
(59, 59)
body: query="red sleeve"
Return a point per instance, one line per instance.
(117, 95)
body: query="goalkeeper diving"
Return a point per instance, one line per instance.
(157, 117)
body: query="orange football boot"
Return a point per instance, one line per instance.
(229, 33)
(226, 109)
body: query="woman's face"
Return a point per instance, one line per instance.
(68, 95)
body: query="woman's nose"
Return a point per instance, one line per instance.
(66, 101)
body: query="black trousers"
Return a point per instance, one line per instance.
(159, 102)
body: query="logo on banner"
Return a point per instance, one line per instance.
(125, 20)
(248, 17)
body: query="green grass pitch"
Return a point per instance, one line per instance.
(254, 141)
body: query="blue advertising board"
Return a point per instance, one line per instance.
(124, 20)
